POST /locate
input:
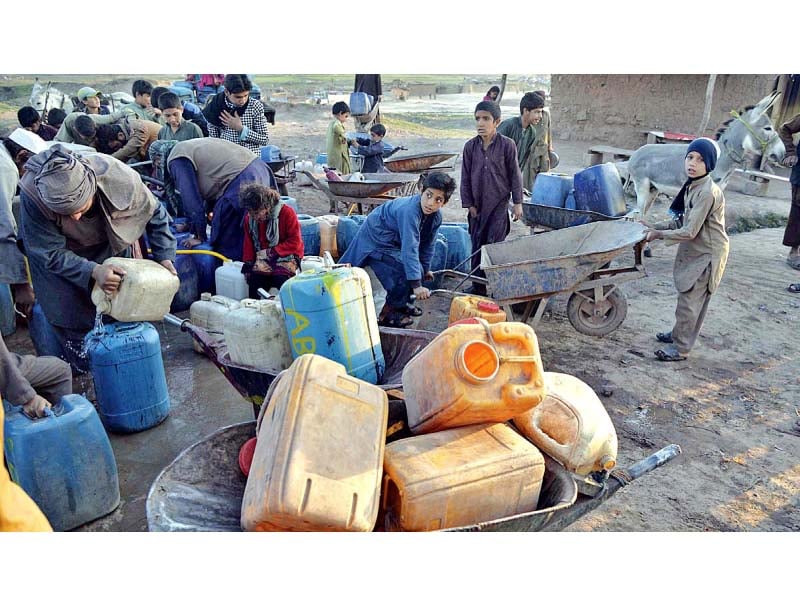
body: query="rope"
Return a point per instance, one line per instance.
(763, 143)
(622, 476)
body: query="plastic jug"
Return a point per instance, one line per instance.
(318, 457)
(128, 371)
(208, 313)
(327, 235)
(145, 293)
(309, 231)
(464, 307)
(330, 312)
(572, 426)
(599, 189)
(63, 461)
(346, 231)
(551, 189)
(188, 291)
(230, 281)
(45, 340)
(468, 374)
(438, 262)
(459, 247)
(255, 334)
(459, 477)
(360, 103)
(312, 263)
(8, 319)
(289, 201)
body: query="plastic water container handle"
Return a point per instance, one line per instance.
(327, 260)
(48, 412)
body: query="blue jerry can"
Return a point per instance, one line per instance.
(599, 189)
(63, 461)
(128, 372)
(551, 189)
(45, 340)
(309, 230)
(346, 231)
(438, 262)
(459, 246)
(330, 312)
(206, 266)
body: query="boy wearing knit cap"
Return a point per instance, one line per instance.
(702, 251)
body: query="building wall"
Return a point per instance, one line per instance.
(615, 109)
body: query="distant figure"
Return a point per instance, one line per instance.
(273, 243)
(29, 119)
(55, 117)
(191, 112)
(234, 116)
(90, 102)
(490, 177)
(141, 108)
(492, 94)
(176, 128)
(370, 84)
(337, 143)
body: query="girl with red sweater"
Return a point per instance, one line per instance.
(273, 245)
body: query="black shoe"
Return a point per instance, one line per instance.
(665, 338)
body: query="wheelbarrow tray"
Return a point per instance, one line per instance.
(554, 217)
(202, 490)
(374, 184)
(560, 260)
(417, 162)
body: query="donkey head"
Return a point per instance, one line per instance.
(750, 133)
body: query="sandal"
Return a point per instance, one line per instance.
(665, 338)
(671, 354)
(794, 262)
(411, 310)
(794, 288)
(396, 319)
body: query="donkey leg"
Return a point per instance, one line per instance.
(645, 196)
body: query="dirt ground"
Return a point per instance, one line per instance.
(731, 406)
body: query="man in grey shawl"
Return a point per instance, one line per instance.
(76, 211)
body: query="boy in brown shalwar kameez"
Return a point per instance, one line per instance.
(703, 249)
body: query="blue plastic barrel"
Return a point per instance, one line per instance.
(8, 320)
(182, 91)
(459, 246)
(206, 266)
(322, 158)
(63, 461)
(438, 262)
(44, 338)
(326, 314)
(291, 202)
(189, 290)
(128, 372)
(551, 189)
(360, 103)
(346, 231)
(309, 230)
(599, 189)
(270, 153)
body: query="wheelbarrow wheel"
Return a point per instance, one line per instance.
(597, 318)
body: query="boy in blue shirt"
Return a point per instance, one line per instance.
(372, 150)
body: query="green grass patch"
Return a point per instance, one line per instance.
(745, 223)
(407, 126)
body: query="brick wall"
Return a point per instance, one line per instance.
(614, 109)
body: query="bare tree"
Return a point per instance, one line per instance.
(502, 88)
(707, 109)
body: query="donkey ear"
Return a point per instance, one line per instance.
(764, 104)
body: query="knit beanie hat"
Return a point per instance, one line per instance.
(708, 149)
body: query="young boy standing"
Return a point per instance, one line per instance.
(489, 176)
(337, 143)
(703, 250)
(522, 130)
(141, 107)
(372, 149)
(172, 113)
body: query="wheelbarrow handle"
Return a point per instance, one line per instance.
(644, 466)
(176, 321)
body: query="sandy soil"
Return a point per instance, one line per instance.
(730, 407)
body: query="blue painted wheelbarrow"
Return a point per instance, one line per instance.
(525, 272)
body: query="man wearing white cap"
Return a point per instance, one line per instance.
(90, 99)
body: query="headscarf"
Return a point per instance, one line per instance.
(271, 228)
(64, 180)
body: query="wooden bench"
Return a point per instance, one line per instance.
(756, 183)
(668, 137)
(599, 154)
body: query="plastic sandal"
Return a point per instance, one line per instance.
(670, 355)
(665, 338)
(396, 319)
(411, 310)
(794, 288)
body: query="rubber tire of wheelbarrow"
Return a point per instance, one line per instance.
(619, 310)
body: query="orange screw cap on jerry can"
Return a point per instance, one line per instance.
(319, 451)
(459, 477)
(469, 374)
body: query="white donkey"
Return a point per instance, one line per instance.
(658, 168)
(45, 97)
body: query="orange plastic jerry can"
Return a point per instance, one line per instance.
(319, 452)
(473, 373)
(464, 307)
